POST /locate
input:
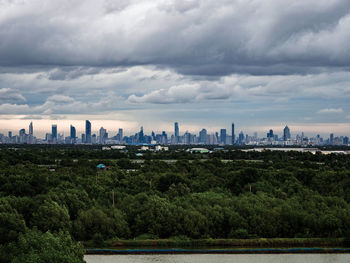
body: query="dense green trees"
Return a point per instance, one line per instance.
(58, 196)
(37, 247)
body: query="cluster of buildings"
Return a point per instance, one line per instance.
(222, 137)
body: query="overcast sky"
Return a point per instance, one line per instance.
(203, 63)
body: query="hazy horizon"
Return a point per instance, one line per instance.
(41, 127)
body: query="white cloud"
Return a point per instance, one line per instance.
(176, 94)
(330, 110)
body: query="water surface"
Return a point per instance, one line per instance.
(221, 258)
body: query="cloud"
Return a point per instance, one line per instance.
(14, 109)
(192, 37)
(68, 73)
(32, 117)
(176, 94)
(330, 110)
(58, 105)
(205, 61)
(8, 95)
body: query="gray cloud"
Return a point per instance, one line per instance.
(8, 95)
(195, 60)
(279, 89)
(193, 37)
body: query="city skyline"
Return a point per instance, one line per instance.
(221, 137)
(149, 63)
(80, 128)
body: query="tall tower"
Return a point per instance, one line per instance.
(270, 135)
(176, 129)
(54, 133)
(120, 134)
(233, 133)
(31, 128)
(87, 131)
(331, 138)
(141, 135)
(286, 133)
(203, 136)
(103, 133)
(223, 136)
(73, 134)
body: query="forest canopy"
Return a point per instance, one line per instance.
(58, 195)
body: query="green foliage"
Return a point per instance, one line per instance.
(37, 247)
(51, 216)
(226, 194)
(95, 221)
(11, 223)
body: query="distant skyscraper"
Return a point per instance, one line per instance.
(87, 131)
(176, 129)
(331, 138)
(73, 134)
(22, 132)
(286, 133)
(10, 134)
(241, 138)
(102, 135)
(120, 135)
(203, 136)
(223, 136)
(270, 135)
(31, 128)
(164, 137)
(233, 133)
(346, 140)
(141, 135)
(54, 132)
(93, 138)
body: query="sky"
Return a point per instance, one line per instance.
(124, 64)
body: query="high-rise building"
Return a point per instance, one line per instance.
(31, 128)
(233, 133)
(102, 135)
(223, 136)
(331, 138)
(241, 138)
(54, 132)
(120, 135)
(73, 134)
(22, 132)
(176, 130)
(10, 134)
(286, 133)
(141, 135)
(203, 136)
(346, 140)
(270, 135)
(94, 139)
(164, 137)
(48, 137)
(87, 131)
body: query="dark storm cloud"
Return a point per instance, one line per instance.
(211, 38)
